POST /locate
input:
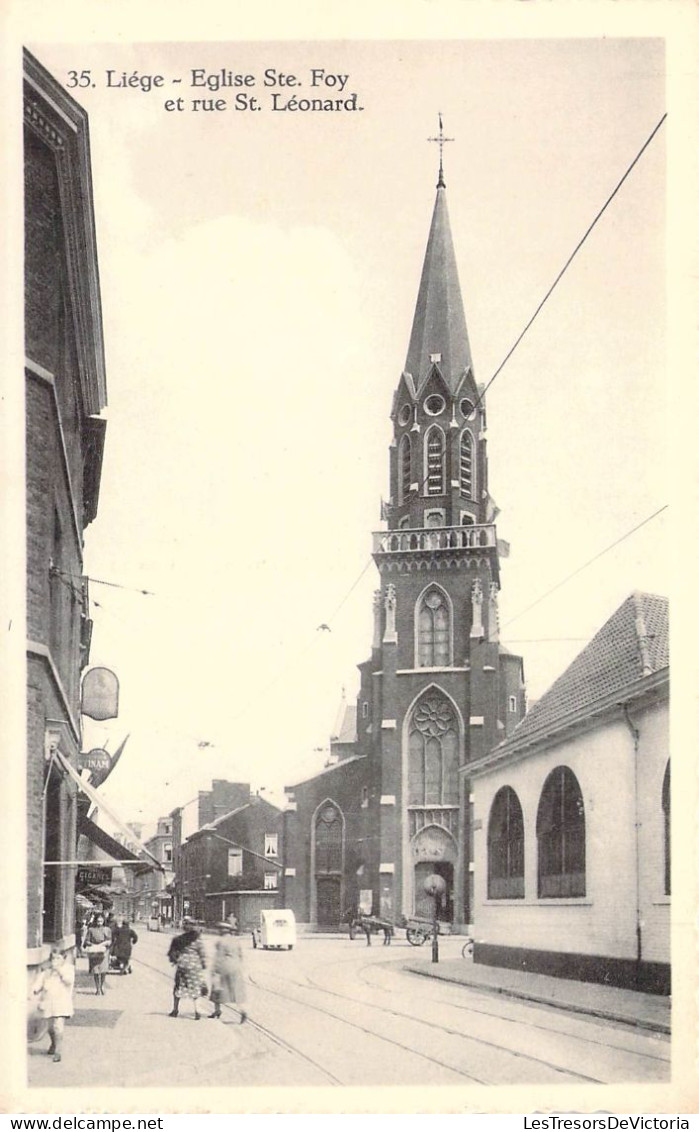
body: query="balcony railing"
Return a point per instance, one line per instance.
(418, 539)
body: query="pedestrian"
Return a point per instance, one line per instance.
(54, 988)
(189, 957)
(123, 939)
(227, 975)
(97, 943)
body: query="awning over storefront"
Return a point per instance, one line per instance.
(109, 845)
(145, 857)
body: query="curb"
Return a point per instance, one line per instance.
(532, 996)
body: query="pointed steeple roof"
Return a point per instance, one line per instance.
(439, 325)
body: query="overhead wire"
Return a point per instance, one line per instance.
(281, 673)
(584, 566)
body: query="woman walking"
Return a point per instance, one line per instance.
(188, 954)
(123, 939)
(55, 989)
(97, 943)
(228, 980)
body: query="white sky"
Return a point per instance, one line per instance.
(259, 273)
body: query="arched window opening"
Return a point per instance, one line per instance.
(433, 753)
(433, 631)
(560, 831)
(466, 464)
(506, 847)
(328, 840)
(666, 826)
(434, 461)
(404, 469)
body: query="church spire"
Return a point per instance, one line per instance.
(439, 332)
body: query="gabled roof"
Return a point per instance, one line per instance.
(439, 325)
(224, 817)
(631, 645)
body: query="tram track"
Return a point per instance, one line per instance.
(565, 1073)
(257, 1026)
(516, 1021)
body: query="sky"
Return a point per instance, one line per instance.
(259, 271)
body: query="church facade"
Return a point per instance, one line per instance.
(437, 690)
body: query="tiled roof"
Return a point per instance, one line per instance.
(633, 643)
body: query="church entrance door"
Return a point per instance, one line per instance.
(424, 903)
(329, 907)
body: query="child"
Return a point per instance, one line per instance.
(55, 988)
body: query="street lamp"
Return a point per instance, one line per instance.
(435, 886)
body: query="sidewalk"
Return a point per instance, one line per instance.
(632, 1008)
(126, 1039)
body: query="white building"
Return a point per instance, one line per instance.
(572, 817)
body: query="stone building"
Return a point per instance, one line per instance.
(572, 811)
(437, 690)
(65, 393)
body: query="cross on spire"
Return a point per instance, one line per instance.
(440, 140)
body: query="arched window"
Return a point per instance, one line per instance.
(404, 469)
(466, 464)
(328, 838)
(433, 630)
(666, 825)
(505, 847)
(560, 830)
(433, 753)
(434, 461)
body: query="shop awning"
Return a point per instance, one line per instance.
(146, 857)
(109, 845)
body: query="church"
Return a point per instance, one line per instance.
(438, 690)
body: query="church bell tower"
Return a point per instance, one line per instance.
(438, 690)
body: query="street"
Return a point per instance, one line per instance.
(333, 1012)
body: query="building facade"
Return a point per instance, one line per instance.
(438, 690)
(572, 845)
(65, 393)
(233, 866)
(150, 891)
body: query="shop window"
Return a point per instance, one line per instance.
(506, 847)
(560, 831)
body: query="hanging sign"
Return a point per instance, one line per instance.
(93, 875)
(95, 760)
(100, 694)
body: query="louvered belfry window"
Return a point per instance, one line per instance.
(466, 464)
(434, 462)
(560, 830)
(404, 469)
(433, 631)
(505, 847)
